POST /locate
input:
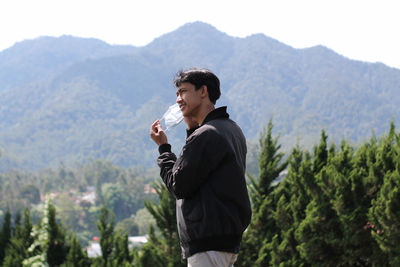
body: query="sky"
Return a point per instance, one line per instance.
(366, 30)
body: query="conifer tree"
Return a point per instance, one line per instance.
(76, 257)
(380, 160)
(319, 233)
(15, 253)
(5, 235)
(49, 247)
(289, 213)
(17, 224)
(271, 164)
(384, 217)
(150, 254)
(121, 255)
(106, 229)
(17, 250)
(57, 249)
(301, 177)
(263, 228)
(383, 162)
(320, 160)
(320, 154)
(165, 247)
(348, 198)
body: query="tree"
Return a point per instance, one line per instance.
(5, 235)
(320, 154)
(121, 255)
(263, 227)
(49, 247)
(348, 169)
(17, 250)
(69, 211)
(15, 253)
(319, 234)
(150, 254)
(76, 257)
(384, 217)
(290, 211)
(31, 193)
(106, 229)
(380, 159)
(129, 226)
(271, 165)
(117, 200)
(165, 247)
(57, 247)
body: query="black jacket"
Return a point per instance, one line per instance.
(208, 180)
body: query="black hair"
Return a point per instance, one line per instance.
(199, 77)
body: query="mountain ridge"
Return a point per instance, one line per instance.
(99, 102)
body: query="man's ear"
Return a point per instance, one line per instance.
(204, 91)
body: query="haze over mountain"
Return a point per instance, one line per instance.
(69, 99)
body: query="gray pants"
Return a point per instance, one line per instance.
(212, 259)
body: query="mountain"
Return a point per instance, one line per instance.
(70, 99)
(41, 58)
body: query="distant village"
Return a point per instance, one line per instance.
(88, 198)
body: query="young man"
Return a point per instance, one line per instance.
(208, 178)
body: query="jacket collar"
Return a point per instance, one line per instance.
(218, 113)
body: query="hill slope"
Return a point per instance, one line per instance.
(71, 99)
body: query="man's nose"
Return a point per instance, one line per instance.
(178, 98)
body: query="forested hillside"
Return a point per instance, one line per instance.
(71, 99)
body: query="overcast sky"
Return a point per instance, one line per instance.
(366, 30)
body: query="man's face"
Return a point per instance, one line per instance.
(188, 99)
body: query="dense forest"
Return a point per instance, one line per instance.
(337, 205)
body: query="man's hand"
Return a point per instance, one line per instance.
(190, 122)
(157, 133)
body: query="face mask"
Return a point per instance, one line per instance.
(172, 117)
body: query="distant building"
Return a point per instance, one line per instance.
(137, 241)
(88, 197)
(94, 249)
(149, 190)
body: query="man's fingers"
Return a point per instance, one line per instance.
(157, 133)
(155, 124)
(154, 127)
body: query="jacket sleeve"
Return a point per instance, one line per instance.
(201, 155)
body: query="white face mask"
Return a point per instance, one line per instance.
(172, 117)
